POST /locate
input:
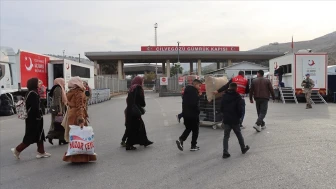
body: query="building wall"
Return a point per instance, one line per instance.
(250, 69)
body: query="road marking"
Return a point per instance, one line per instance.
(165, 122)
(164, 114)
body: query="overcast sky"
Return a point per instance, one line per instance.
(82, 26)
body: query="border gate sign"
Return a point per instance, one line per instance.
(163, 80)
(181, 80)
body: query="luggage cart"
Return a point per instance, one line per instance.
(210, 114)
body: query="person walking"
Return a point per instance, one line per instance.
(76, 115)
(180, 115)
(135, 126)
(42, 91)
(59, 101)
(261, 90)
(190, 111)
(243, 89)
(124, 138)
(231, 108)
(88, 93)
(308, 84)
(34, 132)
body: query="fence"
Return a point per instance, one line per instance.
(114, 84)
(99, 95)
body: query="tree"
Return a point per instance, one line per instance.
(176, 69)
(149, 76)
(108, 68)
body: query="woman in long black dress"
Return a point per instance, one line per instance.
(135, 127)
(34, 123)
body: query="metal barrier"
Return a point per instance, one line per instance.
(114, 84)
(100, 95)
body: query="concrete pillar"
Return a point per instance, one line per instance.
(120, 69)
(199, 67)
(163, 68)
(229, 62)
(168, 68)
(191, 68)
(218, 65)
(96, 67)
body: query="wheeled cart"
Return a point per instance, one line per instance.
(210, 114)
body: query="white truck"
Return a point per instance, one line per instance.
(17, 68)
(296, 66)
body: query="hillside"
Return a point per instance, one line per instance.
(326, 43)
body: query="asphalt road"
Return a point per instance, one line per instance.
(297, 150)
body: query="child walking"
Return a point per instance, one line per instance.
(231, 107)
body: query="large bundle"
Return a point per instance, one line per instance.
(212, 84)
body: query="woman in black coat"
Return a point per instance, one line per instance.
(34, 132)
(135, 127)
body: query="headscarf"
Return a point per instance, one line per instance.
(75, 82)
(137, 81)
(61, 83)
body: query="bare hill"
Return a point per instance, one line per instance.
(326, 43)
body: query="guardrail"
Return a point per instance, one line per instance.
(100, 95)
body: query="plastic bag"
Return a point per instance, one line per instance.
(81, 141)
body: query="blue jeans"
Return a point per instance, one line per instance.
(243, 113)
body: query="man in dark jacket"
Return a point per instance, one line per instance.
(190, 111)
(261, 90)
(231, 108)
(243, 88)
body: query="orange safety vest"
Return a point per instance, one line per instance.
(241, 83)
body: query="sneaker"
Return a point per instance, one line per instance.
(123, 143)
(226, 156)
(178, 119)
(16, 153)
(245, 149)
(194, 148)
(45, 155)
(257, 127)
(242, 127)
(179, 144)
(263, 127)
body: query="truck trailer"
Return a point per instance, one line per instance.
(295, 66)
(17, 68)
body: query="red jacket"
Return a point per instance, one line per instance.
(241, 83)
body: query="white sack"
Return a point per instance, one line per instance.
(212, 84)
(81, 141)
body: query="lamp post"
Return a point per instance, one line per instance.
(178, 53)
(63, 54)
(155, 39)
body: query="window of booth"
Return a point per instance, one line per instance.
(287, 68)
(80, 71)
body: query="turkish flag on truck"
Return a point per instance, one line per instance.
(33, 65)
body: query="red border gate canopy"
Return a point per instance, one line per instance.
(190, 48)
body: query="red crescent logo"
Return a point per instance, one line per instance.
(148, 48)
(67, 66)
(311, 64)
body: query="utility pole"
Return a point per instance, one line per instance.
(155, 40)
(178, 52)
(63, 54)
